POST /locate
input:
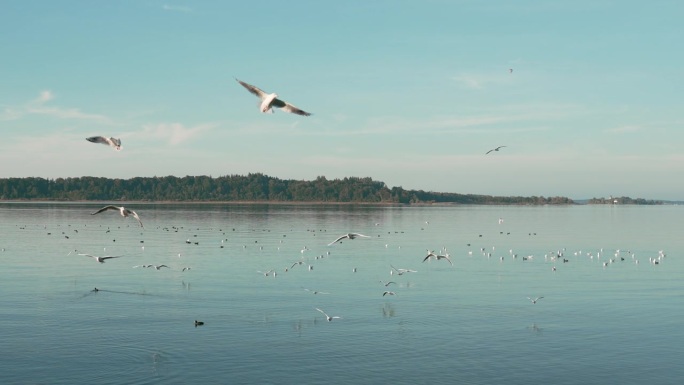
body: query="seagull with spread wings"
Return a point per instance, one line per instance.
(99, 259)
(124, 212)
(495, 149)
(268, 101)
(114, 142)
(327, 317)
(347, 236)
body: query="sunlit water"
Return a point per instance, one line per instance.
(470, 323)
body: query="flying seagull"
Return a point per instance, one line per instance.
(116, 143)
(495, 149)
(327, 317)
(534, 300)
(349, 236)
(388, 293)
(99, 259)
(124, 212)
(268, 101)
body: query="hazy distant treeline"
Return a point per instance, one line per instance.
(252, 187)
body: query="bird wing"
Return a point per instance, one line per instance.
(360, 235)
(98, 139)
(253, 89)
(287, 107)
(116, 143)
(135, 215)
(105, 209)
(326, 316)
(488, 152)
(338, 239)
(103, 258)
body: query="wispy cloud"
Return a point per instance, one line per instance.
(624, 129)
(473, 81)
(38, 106)
(176, 8)
(174, 133)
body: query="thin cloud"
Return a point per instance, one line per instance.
(623, 129)
(38, 106)
(176, 8)
(174, 133)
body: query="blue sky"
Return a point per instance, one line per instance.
(412, 93)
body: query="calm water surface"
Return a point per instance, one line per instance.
(470, 323)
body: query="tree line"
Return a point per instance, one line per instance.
(252, 187)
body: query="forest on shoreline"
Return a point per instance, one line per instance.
(254, 187)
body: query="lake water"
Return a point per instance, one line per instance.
(470, 323)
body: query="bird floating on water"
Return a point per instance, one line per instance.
(495, 149)
(124, 212)
(114, 142)
(268, 101)
(198, 323)
(348, 236)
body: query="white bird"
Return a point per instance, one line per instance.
(327, 317)
(99, 259)
(114, 142)
(268, 101)
(348, 236)
(124, 212)
(388, 283)
(495, 149)
(267, 273)
(388, 293)
(430, 254)
(401, 271)
(444, 256)
(535, 300)
(159, 266)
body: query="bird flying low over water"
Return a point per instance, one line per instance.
(494, 149)
(327, 317)
(99, 259)
(348, 236)
(268, 101)
(124, 212)
(114, 142)
(534, 300)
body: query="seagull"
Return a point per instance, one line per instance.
(430, 254)
(116, 143)
(495, 149)
(388, 293)
(268, 101)
(388, 283)
(349, 235)
(510, 70)
(316, 292)
(445, 256)
(535, 300)
(266, 273)
(99, 259)
(124, 212)
(401, 271)
(159, 266)
(327, 317)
